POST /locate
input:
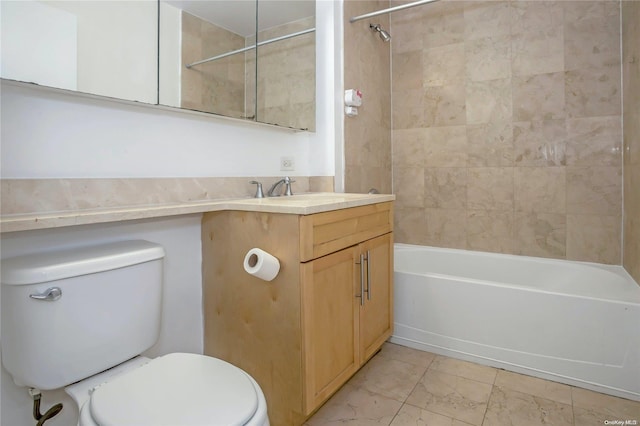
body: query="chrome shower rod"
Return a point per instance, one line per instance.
(244, 49)
(389, 10)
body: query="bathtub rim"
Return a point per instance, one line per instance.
(618, 270)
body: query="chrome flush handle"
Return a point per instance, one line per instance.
(49, 295)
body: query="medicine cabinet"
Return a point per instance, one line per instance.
(246, 59)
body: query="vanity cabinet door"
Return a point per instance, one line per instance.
(376, 313)
(330, 314)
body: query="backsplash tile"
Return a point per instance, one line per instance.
(21, 196)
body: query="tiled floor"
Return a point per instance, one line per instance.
(403, 386)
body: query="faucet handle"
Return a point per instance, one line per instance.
(259, 193)
(288, 181)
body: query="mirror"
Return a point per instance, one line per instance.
(212, 61)
(104, 48)
(209, 59)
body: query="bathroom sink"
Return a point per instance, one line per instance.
(320, 196)
(312, 202)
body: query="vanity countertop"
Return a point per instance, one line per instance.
(301, 204)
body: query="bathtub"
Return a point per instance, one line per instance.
(571, 322)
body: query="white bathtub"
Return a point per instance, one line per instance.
(571, 322)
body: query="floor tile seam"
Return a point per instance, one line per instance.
(589, 407)
(497, 370)
(388, 358)
(370, 393)
(462, 377)
(431, 412)
(600, 411)
(537, 378)
(397, 398)
(423, 408)
(534, 396)
(421, 375)
(486, 408)
(484, 418)
(421, 366)
(414, 387)
(396, 414)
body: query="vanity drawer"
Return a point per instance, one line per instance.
(328, 232)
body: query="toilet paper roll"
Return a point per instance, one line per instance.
(261, 264)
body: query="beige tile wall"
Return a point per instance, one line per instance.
(367, 68)
(631, 118)
(217, 86)
(507, 127)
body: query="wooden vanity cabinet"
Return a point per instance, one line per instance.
(346, 314)
(304, 334)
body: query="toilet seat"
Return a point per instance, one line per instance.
(176, 389)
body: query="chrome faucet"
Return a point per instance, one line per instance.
(287, 181)
(259, 193)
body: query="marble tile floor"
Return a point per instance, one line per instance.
(402, 386)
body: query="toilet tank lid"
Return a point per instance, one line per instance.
(56, 265)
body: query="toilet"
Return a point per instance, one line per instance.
(79, 319)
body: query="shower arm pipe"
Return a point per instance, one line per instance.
(391, 9)
(244, 49)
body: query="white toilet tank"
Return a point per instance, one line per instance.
(69, 314)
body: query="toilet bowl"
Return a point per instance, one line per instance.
(175, 389)
(79, 319)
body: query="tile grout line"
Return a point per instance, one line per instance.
(493, 387)
(404, 402)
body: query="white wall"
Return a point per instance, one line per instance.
(55, 135)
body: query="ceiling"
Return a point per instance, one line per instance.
(238, 16)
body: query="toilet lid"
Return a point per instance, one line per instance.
(177, 389)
